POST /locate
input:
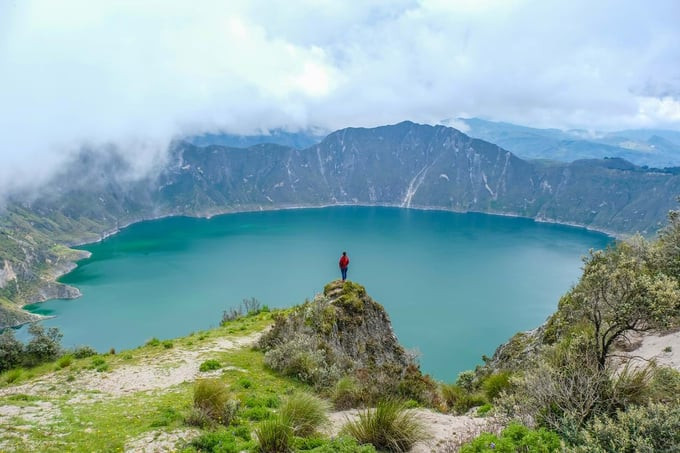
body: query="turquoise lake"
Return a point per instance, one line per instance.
(455, 285)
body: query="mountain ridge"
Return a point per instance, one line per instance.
(407, 165)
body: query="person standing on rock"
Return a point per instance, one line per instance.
(344, 263)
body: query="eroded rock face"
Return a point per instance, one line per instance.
(343, 332)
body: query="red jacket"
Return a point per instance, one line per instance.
(344, 261)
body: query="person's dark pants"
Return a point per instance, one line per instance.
(344, 273)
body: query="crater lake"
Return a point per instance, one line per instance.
(455, 285)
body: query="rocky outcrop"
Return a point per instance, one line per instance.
(344, 332)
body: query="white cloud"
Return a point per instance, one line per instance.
(128, 72)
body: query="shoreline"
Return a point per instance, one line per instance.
(208, 215)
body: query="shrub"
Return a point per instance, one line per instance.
(388, 427)
(346, 393)
(153, 342)
(64, 361)
(484, 409)
(300, 358)
(459, 400)
(212, 404)
(167, 344)
(274, 436)
(664, 385)
(44, 346)
(639, 429)
(11, 350)
(304, 413)
(515, 438)
(245, 383)
(82, 352)
(466, 380)
(209, 365)
(493, 385)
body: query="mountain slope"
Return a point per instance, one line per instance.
(406, 164)
(654, 148)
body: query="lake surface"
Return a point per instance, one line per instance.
(455, 285)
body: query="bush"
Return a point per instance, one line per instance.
(274, 436)
(346, 393)
(390, 426)
(209, 365)
(82, 352)
(515, 438)
(459, 400)
(466, 380)
(639, 429)
(212, 404)
(664, 386)
(302, 359)
(167, 344)
(153, 342)
(11, 350)
(64, 361)
(495, 384)
(304, 413)
(44, 346)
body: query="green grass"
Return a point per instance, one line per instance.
(304, 413)
(96, 423)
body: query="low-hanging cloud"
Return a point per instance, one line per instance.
(138, 74)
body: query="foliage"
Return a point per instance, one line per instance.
(44, 344)
(304, 413)
(209, 365)
(654, 428)
(390, 426)
(346, 393)
(82, 352)
(466, 380)
(153, 342)
(620, 292)
(11, 350)
(342, 445)
(223, 441)
(494, 384)
(212, 403)
(459, 400)
(274, 436)
(515, 438)
(64, 361)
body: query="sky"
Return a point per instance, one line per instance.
(137, 74)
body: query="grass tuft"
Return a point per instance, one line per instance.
(274, 436)
(390, 426)
(212, 404)
(304, 413)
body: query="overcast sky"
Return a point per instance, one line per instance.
(138, 73)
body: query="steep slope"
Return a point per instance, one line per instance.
(406, 164)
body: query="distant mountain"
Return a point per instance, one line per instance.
(644, 147)
(297, 140)
(406, 164)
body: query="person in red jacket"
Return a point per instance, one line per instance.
(344, 263)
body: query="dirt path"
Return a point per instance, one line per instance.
(176, 366)
(664, 348)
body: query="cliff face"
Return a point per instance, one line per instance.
(406, 164)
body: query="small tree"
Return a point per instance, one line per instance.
(11, 350)
(45, 344)
(620, 293)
